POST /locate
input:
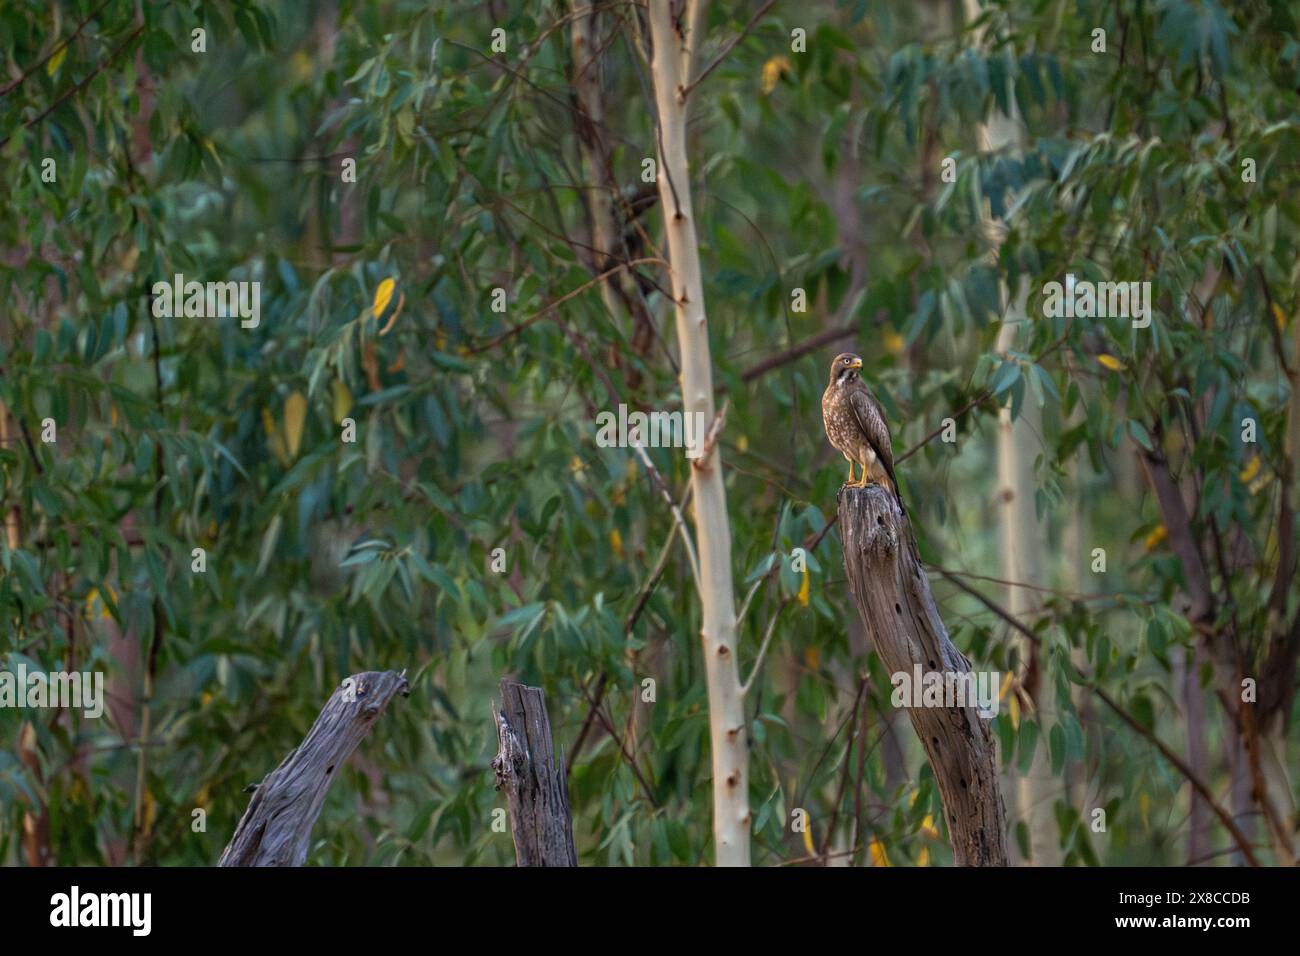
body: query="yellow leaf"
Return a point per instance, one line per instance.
(923, 858)
(1155, 537)
(1006, 686)
(274, 438)
(295, 416)
(804, 587)
(93, 600)
(1013, 708)
(813, 658)
(56, 61)
(1112, 363)
(772, 71)
(878, 855)
(808, 843)
(1250, 471)
(894, 343)
(742, 443)
(1278, 316)
(342, 401)
(383, 295)
(616, 542)
(928, 827)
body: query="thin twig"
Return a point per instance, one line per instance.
(762, 650)
(1186, 771)
(726, 49)
(80, 86)
(14, 84)
(547, 309)
(677, 514)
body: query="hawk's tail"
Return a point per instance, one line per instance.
(898, 496)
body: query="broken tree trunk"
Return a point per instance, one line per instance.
(536, 791)
(893, 597)
(276, 828)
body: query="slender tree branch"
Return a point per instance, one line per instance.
(1224, 817)
(14, 84)
(72, 91)
(762, 650)
(726, 50)
(677, 514)
(798, 351)
(551, 307)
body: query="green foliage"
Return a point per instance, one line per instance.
(475, 428)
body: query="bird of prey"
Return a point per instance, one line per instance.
(855, 424)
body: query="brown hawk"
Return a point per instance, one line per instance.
(855, 424)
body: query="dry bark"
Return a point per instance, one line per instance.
(276, 828)
(533, 779)
(893, 597)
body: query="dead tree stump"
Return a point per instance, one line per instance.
(536, 791)
(276, 828)
(893, 597)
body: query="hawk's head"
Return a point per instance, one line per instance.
(845, 368)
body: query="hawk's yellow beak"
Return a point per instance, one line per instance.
(857, 363)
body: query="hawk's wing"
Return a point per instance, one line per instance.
(871, 419)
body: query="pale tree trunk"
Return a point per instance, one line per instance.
(727, 732)
(592, 145)
(1022, 559)
(619, 292)
(1022, 534)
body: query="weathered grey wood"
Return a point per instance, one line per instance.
(276, 828)
(894, 600)
(536, 792)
